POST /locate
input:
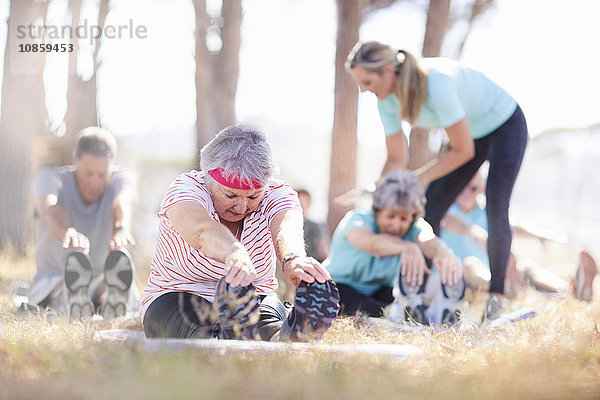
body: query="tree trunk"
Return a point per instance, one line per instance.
(204, 126)
(216, 74)
(227, 65)
(435, 29)
(478, 8)
(23, 117)
(343, 138)
(81, 95)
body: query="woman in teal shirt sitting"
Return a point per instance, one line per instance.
(374, 250)
(482, 121)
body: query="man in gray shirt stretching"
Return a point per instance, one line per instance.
(82, 230)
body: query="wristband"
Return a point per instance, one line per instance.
(287, 259)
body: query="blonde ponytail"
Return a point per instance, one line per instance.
(411, 88)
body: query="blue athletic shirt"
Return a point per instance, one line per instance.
(454, 91)
(462, 245)
(356, 268)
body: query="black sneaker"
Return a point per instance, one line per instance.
(78, 276)
(238, 310)
(315, 308)
(118, 275)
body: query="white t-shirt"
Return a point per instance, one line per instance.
(179, 267)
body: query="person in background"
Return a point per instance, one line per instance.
(222, 229)
(482, 121)
(82, 226)
(464, 230)
(315, 234)
(374, 250)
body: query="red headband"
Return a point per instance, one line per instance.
(234, 181)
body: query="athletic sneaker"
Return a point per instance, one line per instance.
(445, 306)
(510, 317)
(315, 308)
(28, 308)
(238, 310)
(585, 277)
(78, 276)
(450, 301)
(118, 275)
(411, 301)
(494, 307)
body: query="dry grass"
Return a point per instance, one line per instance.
(553, 356)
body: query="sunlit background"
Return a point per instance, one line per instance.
(544, 52)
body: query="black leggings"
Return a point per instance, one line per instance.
(504, 148)
(186, 315)
(352, 301)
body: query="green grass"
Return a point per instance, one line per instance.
(553, 356)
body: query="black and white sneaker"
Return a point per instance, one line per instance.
(238, 310)
(451, 301)
(118, 275)
(411, 301)
(315, 308)
(78, 276)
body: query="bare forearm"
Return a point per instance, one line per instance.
(56, 221)
(216, 242)
(461, 149)
(288, 235)
(376, 244)
(121, 212)
(387, 246)
(392, 164)
(286, 230)
(447, 163)
(397, 152)
(434, 247)
(456, 225)
(194, 225)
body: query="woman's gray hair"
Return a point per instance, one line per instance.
(239, 150)
(400, 189)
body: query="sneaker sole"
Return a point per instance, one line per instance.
(408, 291)
(78, 276)
(449, 303)
(454, 292)
(414, 310)
(316, 307)
(118, 275)
(450, 317)
(418, 314)
(238, 307)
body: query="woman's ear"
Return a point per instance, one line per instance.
(388, 69)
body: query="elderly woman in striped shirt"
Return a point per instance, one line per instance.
(221, 231)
